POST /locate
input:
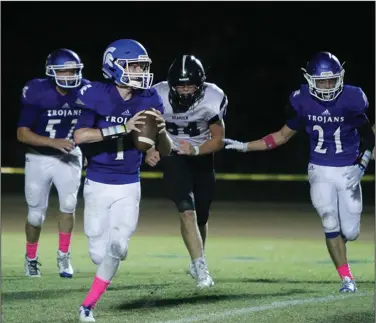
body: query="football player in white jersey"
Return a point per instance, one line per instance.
(194, 112)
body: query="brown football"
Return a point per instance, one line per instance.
(146, 138)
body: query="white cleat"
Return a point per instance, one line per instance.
(203, 278)
(191, 271)
(31, 267)
(64, 265)
(348, 286)
(86, 314)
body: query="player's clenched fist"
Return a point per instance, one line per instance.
(152, 157)
(63, 145)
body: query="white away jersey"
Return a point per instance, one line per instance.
(193, 125)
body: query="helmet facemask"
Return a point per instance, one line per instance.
(67, 80)
(135, 73)
(318, 88)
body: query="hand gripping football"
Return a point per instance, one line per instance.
(145, 139)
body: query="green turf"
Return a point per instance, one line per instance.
(152, 286)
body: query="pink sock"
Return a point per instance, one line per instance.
(344, 271)
(31, 250)
(98, 287)
(64, 241)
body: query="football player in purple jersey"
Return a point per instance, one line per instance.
(341, 145)
(47, 120)
(110, 112)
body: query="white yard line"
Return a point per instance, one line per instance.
(278, 304)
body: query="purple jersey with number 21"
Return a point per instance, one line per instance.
(332, 128)
(102, 106)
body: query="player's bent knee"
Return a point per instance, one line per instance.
(185, 205)
(118, 249)
(68, 205)
(36, 217)
(330, 222)
(351, 234)
(96, 257)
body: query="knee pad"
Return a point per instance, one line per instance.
(96, 258)
(36, 216)
(350, 233)
(68, 204)
(118, 245)
(185, 205)
(330, 222)
(118, 249)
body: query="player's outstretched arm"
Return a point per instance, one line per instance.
(268, 142)
(28, 137)
(216, 142)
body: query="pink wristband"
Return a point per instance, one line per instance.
(270, 142)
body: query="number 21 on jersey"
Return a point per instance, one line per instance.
(320, 140)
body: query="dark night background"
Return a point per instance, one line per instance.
(252, 50)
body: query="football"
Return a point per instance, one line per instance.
(145, 139)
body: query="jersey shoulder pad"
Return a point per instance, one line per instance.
(216, 101)
(294, 105)
(161, 87)
(33, 90)
(214, 91)
(90, 94)
(356, 99)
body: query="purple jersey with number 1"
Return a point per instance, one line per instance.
(114, 161)
(48, 113)
(332, 127)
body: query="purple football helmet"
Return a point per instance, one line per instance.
(324, 74)
(65, 67)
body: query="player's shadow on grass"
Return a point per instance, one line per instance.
(286, 281)
(201, 299)
(56, 293)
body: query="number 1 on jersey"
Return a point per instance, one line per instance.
(120, 149)
(320, 140)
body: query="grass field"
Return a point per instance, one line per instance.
(269, 262)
